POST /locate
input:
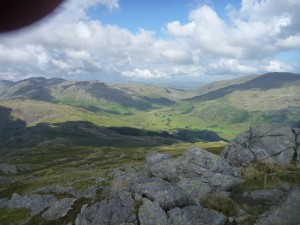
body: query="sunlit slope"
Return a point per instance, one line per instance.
(34, 112)
(94, 96)
(267, 98)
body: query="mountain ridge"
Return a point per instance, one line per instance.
(227, 107)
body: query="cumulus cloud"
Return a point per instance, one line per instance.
(144, 74)
(73, 44)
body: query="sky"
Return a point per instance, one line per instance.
(152, 40)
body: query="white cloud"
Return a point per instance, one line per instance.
(229, 66)
(276, 66)
(144, 74)
(72, 44)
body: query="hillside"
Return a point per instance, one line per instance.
(94, 96)
(226, 107)
(273, 97)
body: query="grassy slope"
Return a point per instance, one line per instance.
(228, 115)
(34, 112)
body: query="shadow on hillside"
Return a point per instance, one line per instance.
(16, 135)
(8, 124)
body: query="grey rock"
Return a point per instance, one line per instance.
(155, 157)
(35, 202)
(241, 216)
(163, 192)
(150, 213)
(238, 155)
(195, 215)
(195, 188)
(199, 164)
(118, 209)
(287, 212)
(6, 180)
(265, 195)
(90, 192)
(151, 159)
(122, 179)
(3, 202)
(7, 168)
(297, 133)
(58, 209)
(267, 142)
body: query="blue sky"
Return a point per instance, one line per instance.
(139, 40)
(149, 15)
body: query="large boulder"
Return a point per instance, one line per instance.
(118, 209)
(287, 212)
(272, 143)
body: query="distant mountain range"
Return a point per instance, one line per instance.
(92, 95)
(226, 107)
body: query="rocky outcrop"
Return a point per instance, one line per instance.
(7, 168)
(194, 164)
(168, 191)
(287, 212)
(265, 142)
(55, 208)
(36, 203)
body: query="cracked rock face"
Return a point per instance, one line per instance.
(266, 142)
(207, 168)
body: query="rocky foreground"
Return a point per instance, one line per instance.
(174, 191)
